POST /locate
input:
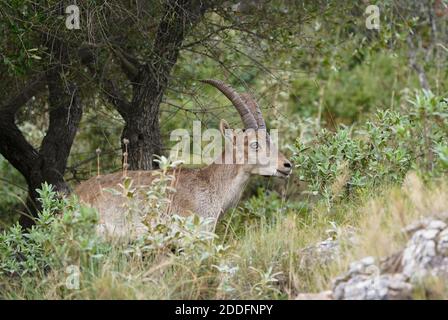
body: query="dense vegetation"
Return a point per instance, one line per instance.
(362, 113)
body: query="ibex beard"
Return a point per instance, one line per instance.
(208, 191)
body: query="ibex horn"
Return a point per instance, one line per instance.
(246, 115)
(255, 108)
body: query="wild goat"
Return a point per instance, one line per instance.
(208, 191)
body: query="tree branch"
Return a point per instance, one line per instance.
(109, 87)
(65, 115)
(15, 148)
(128, 64)
(13, 145)
(116, 97)
(31, 89)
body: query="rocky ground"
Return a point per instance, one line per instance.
(424, 256)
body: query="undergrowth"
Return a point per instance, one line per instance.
(367, 183)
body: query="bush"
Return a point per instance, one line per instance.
(56, 241)
(262, 208)
(381, 151)
(66, 235)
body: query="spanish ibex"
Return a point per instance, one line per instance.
(207, 191)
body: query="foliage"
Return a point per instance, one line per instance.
(263, 207)
(381, 151)
(165, 233)
(54, 242)
(66, 234)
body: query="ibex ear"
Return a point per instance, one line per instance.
(224, 127)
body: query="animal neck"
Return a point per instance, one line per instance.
(229, 181)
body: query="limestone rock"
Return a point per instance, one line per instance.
(426, 253)
(363, 281)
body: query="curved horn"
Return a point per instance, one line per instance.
(246, 115)
(255, 108)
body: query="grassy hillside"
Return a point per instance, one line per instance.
(270, 259)
(359, 188)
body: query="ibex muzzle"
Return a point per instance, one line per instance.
(208, 191)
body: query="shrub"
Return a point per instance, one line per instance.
(66, 235)
(55, 241)
(263, 207)
(381, 151)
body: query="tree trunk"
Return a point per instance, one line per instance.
(142, 128)
(51, 161)
(143, 134)
(142, 125)
(47, 164)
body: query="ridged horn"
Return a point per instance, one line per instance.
(246, 115)
(249, 101)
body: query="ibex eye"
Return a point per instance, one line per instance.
(255, 145)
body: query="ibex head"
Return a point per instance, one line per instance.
(252, 146)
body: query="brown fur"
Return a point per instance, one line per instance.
(207, 191)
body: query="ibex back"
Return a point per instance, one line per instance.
(207, 191)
